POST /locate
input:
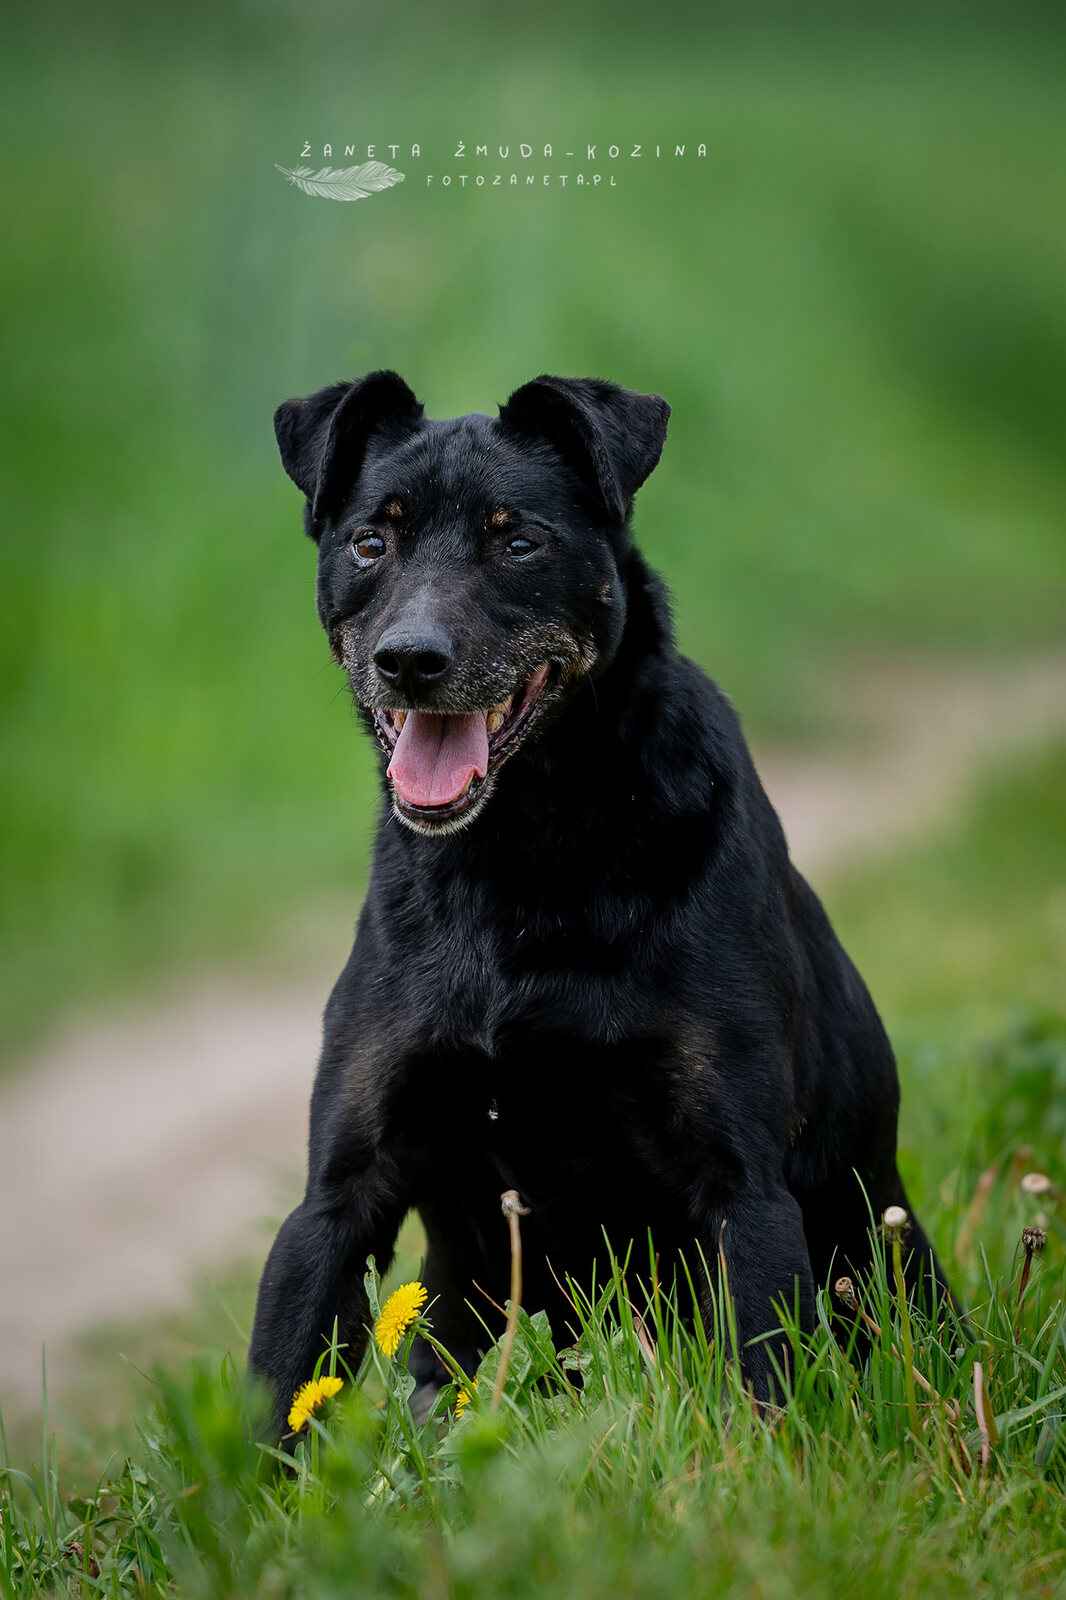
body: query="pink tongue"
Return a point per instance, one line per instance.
(436, 757)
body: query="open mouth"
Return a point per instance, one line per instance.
(439, 760)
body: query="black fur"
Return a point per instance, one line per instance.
(605, 986)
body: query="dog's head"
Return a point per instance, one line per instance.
(469, 571)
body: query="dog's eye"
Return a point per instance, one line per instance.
(367, 547)
(521, 547)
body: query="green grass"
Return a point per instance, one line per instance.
(656, 1477)
(629, 1461)
(855, 305)
(962, 940)
(972, 920)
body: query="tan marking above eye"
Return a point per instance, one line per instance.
(394, 509)
(500, 518)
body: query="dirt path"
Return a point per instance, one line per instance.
(140, 1150)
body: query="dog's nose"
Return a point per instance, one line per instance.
(411, 660)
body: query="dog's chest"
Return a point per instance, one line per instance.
(555, 1049)
(566, 1121)
(489, 980)
(562, 1131)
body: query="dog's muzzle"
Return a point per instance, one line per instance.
(438, 760)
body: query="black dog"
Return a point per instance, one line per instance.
(586, 968)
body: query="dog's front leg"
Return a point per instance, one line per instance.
(759, 1239)
(314, 1273)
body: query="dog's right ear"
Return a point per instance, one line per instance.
(323, 439)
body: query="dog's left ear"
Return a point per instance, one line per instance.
(612, 436)
(323, 439)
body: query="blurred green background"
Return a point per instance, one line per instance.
(855, 305)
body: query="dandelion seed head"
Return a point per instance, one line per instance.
(844, 1289)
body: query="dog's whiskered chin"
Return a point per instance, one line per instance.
(441, 761)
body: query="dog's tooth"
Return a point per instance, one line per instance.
(399, 718)
(494, 721)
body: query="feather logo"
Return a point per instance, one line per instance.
(343, 183)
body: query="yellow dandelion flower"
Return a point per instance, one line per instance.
(308, 1397)
(397, 1314)
(462, 1399)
